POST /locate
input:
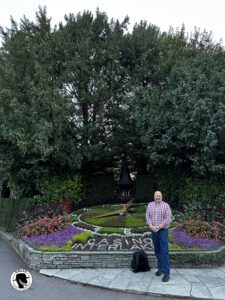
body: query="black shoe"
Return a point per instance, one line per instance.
(166, 278)
(158, 273)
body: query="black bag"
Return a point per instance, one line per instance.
(139, 262)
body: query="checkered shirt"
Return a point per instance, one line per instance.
(158, 214)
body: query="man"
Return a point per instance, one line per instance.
(158, 217)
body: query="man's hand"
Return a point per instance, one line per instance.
(154, 228)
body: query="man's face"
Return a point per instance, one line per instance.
(158, 197)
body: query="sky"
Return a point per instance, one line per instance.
(204, 14)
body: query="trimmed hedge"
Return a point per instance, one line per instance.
(211, 191)
(197, 259)
(144, 187)
(99, 188)
(10, 208)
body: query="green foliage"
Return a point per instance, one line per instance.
(77, 96)
(203, 192)
(168, 182)
(57, 189)
(111, 230)
(11, 209)
(175, 247)
(173, 224)
(101, 221)
(135, 221)
(99, 187)
(54, 249)
(203, 229)
(73, 218)
(82, 237)
(43, 225)
(144, 187)
(141, 230)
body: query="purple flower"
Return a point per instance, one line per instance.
(183, 239)
(57, 239)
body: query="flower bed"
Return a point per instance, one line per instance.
(55, 239)
(44, 225)
(203, 229)
(181, 238)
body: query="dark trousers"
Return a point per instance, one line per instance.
(161, 247)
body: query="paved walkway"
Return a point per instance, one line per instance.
(184, 283)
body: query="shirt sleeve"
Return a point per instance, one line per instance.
(167, 217)
(148, 216)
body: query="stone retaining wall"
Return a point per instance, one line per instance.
(37, 260)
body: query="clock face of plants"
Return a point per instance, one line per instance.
(116, 216)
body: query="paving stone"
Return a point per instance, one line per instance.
(222, 269)
(49, 272)
(200, 291)
(140, 283)
(168, 289)
(218, 292)
(213, 272)
(190, 271)
(211, 281)
(174, 280)
(121, 281)
(67, 274)
(191, 278)
(83, 277)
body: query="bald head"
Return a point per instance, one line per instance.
(158, 196)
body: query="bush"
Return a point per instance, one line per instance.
(83, 237)
(169, 183)
(10, 209)
(40, 210)
(56, 189)
(144, 187)
(202, 229)
(44, 225)
(99, 188)
(207, 192)
(204, 212)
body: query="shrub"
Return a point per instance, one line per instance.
(83, 237)
(211, 191)
(144, 187)
(202, 229)
(204, 212)
(169, 183)
(99, 188)
(44, 225)
(40, 210)
(56, 189)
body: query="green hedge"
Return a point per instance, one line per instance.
(57, 189)
(10, 208)
(211, 191)
(144, 187)
(99, 188)
(203, 259)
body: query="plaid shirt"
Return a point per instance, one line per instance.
(158, 214)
